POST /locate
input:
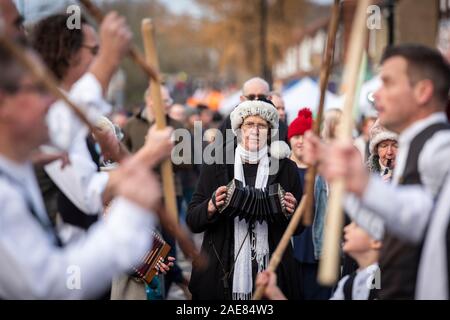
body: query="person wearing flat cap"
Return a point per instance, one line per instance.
(238, 250)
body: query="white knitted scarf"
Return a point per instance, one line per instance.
(242, 276)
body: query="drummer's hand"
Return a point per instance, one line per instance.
(290, 202)
(220, 196)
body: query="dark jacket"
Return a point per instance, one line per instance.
(136, 129)
(218, 241)
(135, 132)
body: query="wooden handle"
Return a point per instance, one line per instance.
(310, 178)
(329, 263)
(133, 53)
(151, 55)
(160, 117)
(304, 210)
(282, 245)
(330, 260)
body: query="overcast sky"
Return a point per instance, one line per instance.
(36, 8)
(182, 6)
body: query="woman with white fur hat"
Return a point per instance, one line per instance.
(238, 250)
(383, 150)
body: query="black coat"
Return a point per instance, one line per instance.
(218, 241)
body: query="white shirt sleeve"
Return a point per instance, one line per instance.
(405, 209)
(434, 161)
(63, 124)
(80, 181)
(33, 268)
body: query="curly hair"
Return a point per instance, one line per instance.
(56, 43)
(373, 163)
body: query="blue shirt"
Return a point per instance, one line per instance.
(303, 243)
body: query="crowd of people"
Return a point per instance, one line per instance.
(78, 208)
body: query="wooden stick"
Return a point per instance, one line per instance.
(306, 201)
(134, 53)
(324, 76)
(329, 263)
(169, 215)
(160, 117)
(282, 245)
(151, 54)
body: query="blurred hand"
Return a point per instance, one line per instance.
(115, 38)
(269, 280)
(163, 267)
(139, 184)
(109, 144)
(314, 150)
(387, 177)
(41, 159)
(159, 143)
(344, 161)
(220, 196)
(158, 146)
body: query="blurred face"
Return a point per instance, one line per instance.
(177, 113)
(395, 100)
(13, 20)
(165, 97)
(193, 118)
(254, 132)
(296, 143)
(24, 112)
(206, 117)
(356, 240)
(279, 104)
(387, 150)
(87, 52)
(255, 89)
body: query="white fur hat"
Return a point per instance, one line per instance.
(254, 108)
(279, 149)
(378, 134)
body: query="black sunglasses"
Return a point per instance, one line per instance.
(256, 97)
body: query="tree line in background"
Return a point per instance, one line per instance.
(223, 45)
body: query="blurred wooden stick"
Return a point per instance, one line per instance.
(134, 53)
(307, 199)
(330, 260)
(160, 117)
(324, 76)
(170, 215)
